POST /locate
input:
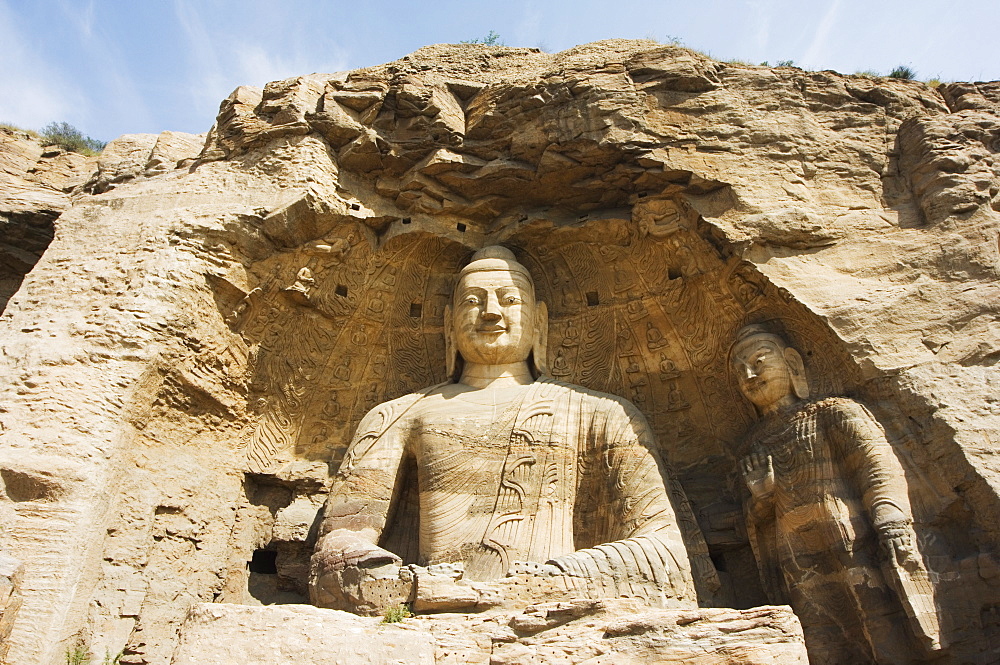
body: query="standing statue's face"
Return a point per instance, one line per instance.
(762, 372)
(494, 317)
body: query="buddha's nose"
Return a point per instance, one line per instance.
(491, 312)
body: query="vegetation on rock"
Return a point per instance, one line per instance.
(492, 38)
(397, 614)
(903, 72)
(71, 138)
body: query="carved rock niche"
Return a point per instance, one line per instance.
(171, 430)
(643, 301)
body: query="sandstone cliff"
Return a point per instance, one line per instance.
(186, 361)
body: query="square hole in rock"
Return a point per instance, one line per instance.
(264, 562)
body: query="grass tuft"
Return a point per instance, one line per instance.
(903, 72)
(491, 39)
(11, 127)
(397, 614)
(78, 655)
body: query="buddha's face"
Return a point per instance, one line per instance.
(762, 372)
(494, 317)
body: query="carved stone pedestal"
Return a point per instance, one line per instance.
(595, 632)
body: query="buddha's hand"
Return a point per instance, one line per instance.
(339, 550)
(758, 473)
(534, 568)
(342, 548)
(895, 533)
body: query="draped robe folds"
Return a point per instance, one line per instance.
(816, 537)
(562, 475)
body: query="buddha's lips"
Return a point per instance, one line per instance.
(491, 329)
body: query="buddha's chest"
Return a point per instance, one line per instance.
(445, 425)
(799, 452)
(485, 445)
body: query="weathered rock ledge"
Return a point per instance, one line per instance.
(552, 634)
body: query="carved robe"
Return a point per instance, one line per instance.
(815, 538)
(561, 474)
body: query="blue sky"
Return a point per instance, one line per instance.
(112, 67)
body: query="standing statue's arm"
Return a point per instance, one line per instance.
(757, 469)
(879, 476)
(871, 465)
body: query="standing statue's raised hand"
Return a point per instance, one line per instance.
(758, 472)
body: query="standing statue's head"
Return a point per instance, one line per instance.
(768, 371)
(494, 318)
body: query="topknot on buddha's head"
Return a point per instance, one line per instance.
(496, 257)
(493, 252)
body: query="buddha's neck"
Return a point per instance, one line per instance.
(480, 376)
(779, 405)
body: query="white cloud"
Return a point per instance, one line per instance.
(34, 93)
(816, 54)
(256, 66)
(528, 31)
(208, 85)
(121, 100)
(760, 24)
(220, 62)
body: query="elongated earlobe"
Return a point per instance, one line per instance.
(800, 384)
(539, 348)
(450, 351)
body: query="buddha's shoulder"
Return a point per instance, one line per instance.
(593, 399)
(836, 407)
(397, 407)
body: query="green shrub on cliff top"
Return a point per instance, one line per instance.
(903, 72)
(71, 138)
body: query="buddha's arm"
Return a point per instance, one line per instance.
(367, 483)
(879, 476)
(356, 512)
(645, 548)
(871, 465)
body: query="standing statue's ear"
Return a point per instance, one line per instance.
(450, 350)
(800, 384)
(539, 348)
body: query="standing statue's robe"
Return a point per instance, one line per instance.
(815, 539)
(562, 475)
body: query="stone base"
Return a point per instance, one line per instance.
(595, 632)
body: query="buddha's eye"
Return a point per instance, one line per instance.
(472, 300)
(511, 300)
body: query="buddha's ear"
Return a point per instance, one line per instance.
(539, 349)
(797, 369)
(450, 351)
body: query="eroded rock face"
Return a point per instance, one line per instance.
(185, 365)
(11, 571)
(132, 155)
(35, 182)
(547, 634)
